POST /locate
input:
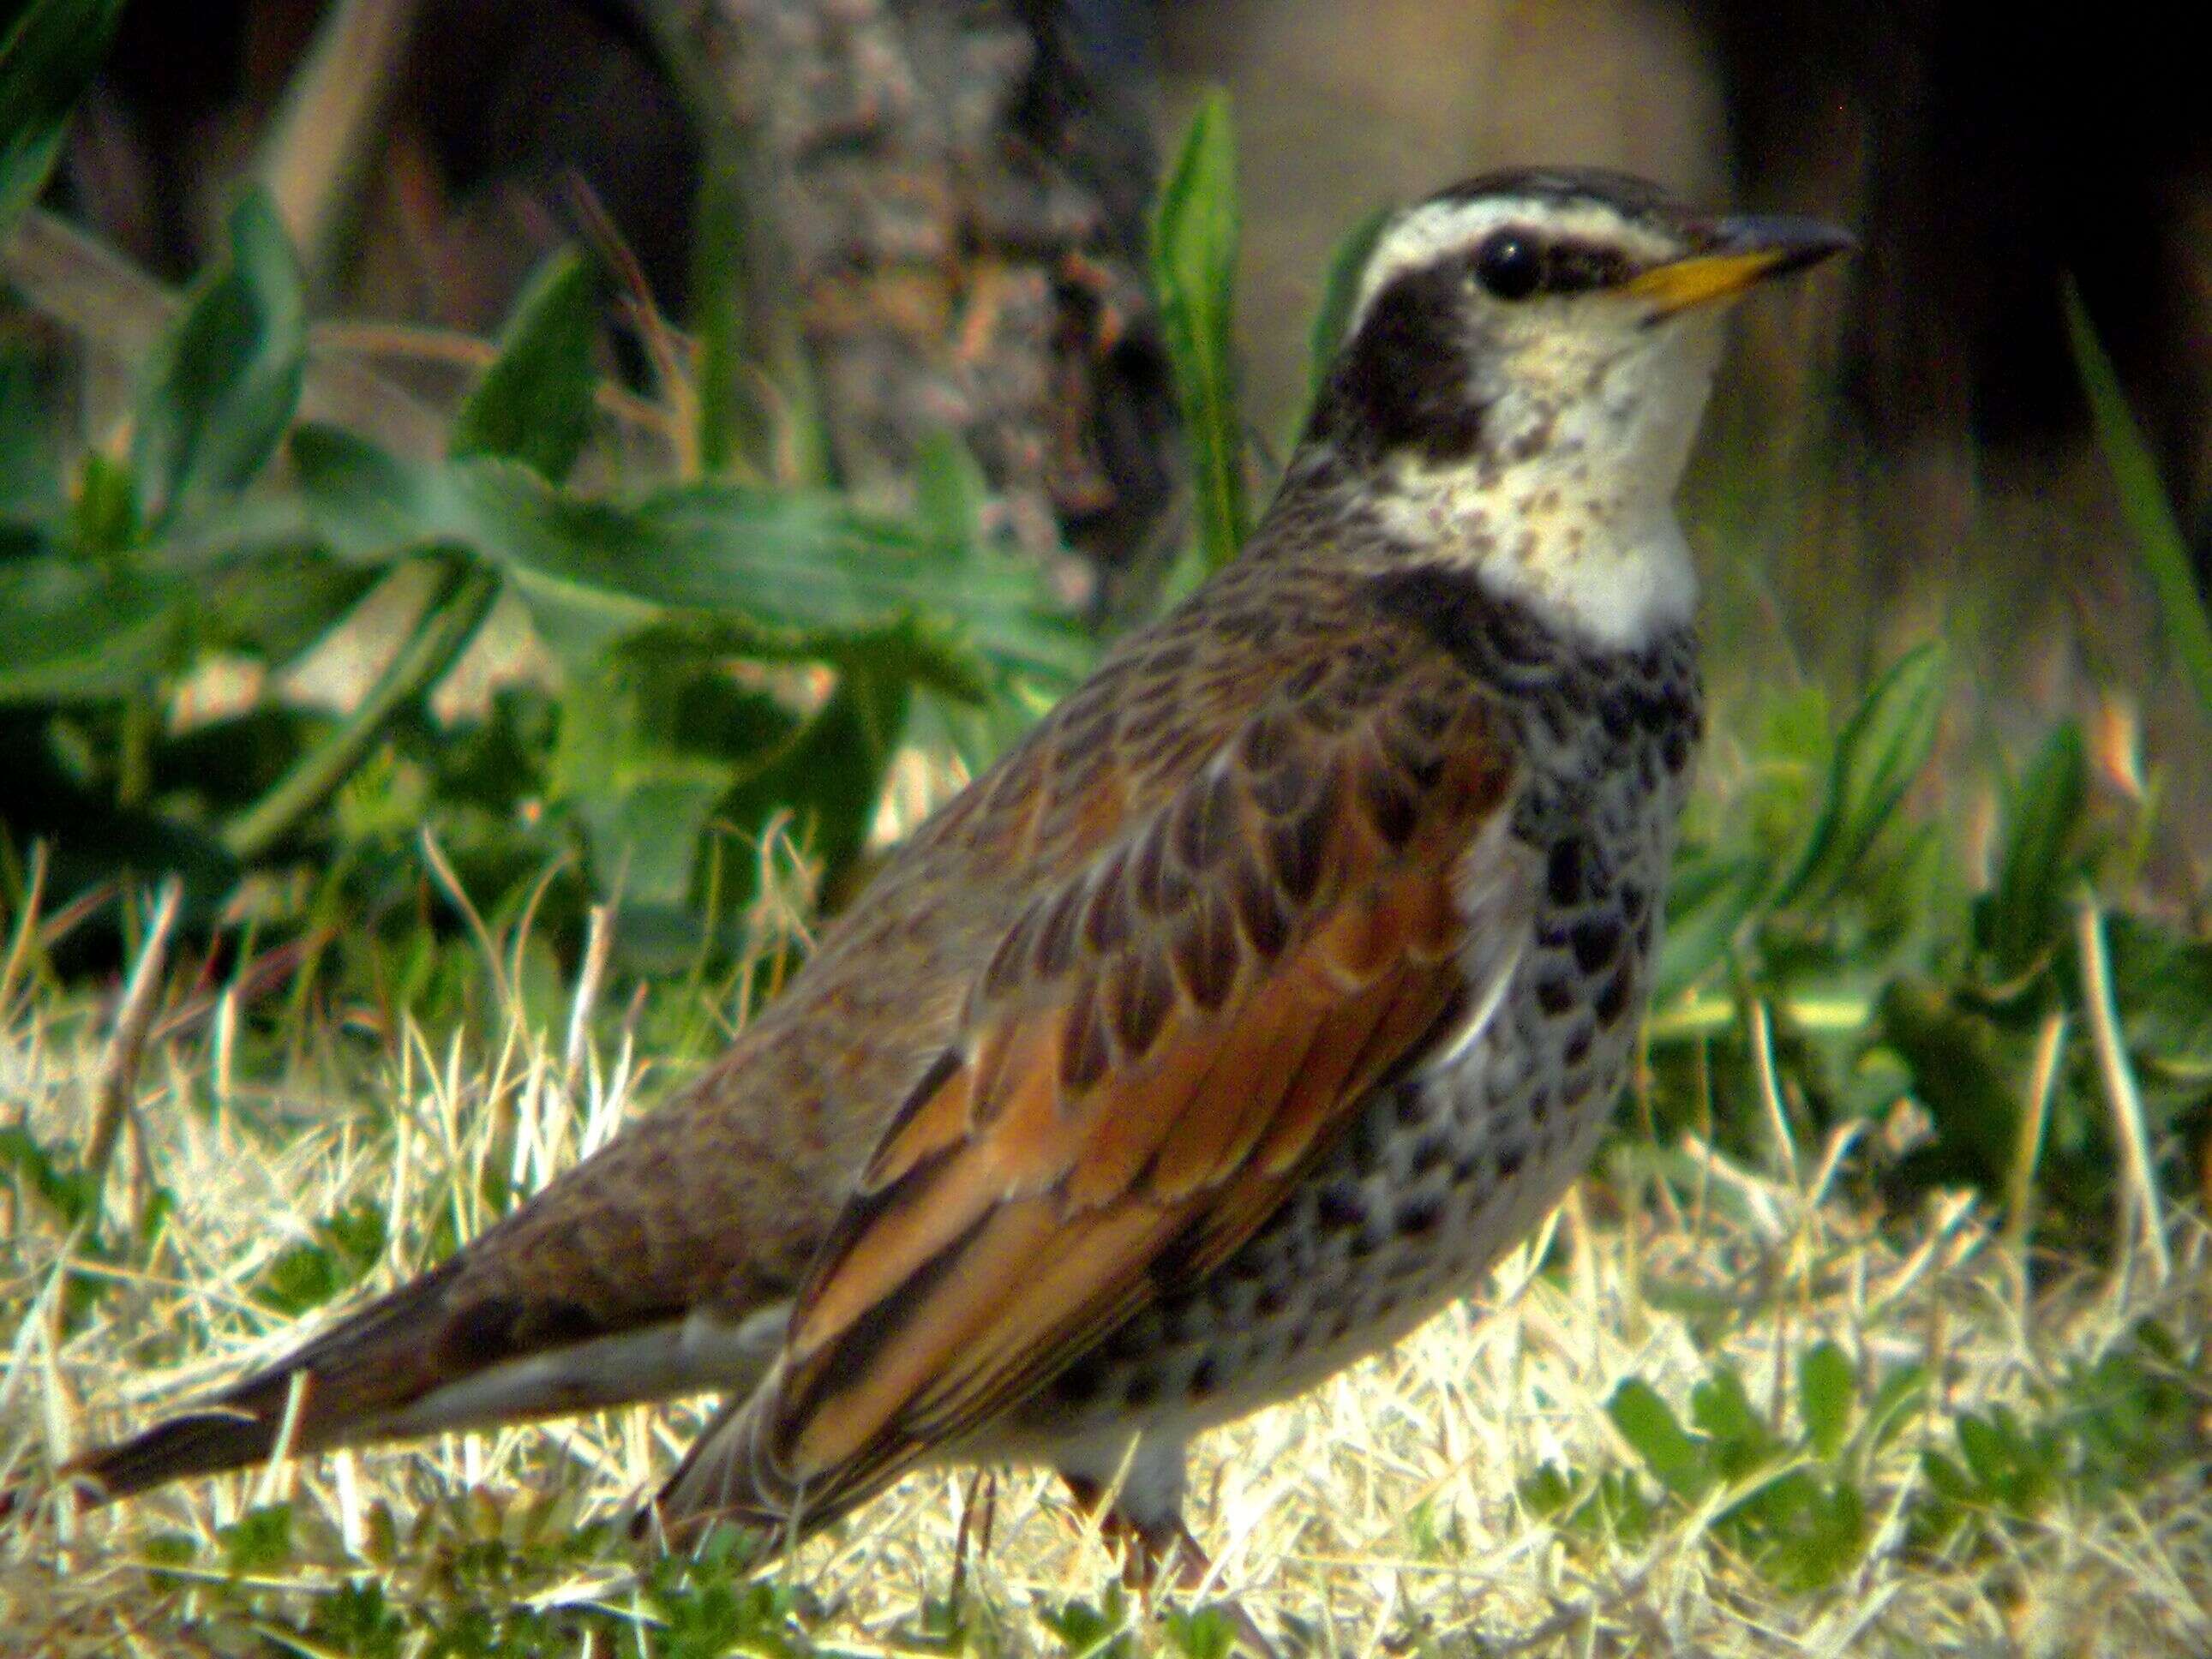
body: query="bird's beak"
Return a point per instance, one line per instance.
(1740, 252)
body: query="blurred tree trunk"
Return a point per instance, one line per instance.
(939, 208)
(935, 217)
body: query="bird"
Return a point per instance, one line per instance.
(1240, 1017)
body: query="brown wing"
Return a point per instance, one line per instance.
(641, 1272)
(1159, 1044)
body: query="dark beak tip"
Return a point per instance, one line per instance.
(1795, 243)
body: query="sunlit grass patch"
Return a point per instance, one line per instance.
(1712, 1409)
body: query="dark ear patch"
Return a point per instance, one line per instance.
(1403, 379)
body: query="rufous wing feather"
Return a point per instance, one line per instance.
(1171, 1033)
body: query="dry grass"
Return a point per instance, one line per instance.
(1381, 1514)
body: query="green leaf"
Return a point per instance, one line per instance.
(1965, 1071)
(47, 59)
(1893, 1404)
(368, 504)
(1206, 1632)
(74, 632)
(258, 1541)
(832, 775)
(2160, 543)
(2162, 981)
(534, 404)
(278, 604)
(1826, 1390)
(103, 516)
(1194, 234)
(1339, 292)
(950, 492)
(2035, 871)
(2014, 1468)
(1651, 1427)
(803, 568)
(1739, 1440)
(345, 1247)
(225, 380)
(643, 801)
(1708, 903)
(67, 1190)
(1881, 750)
(30, 475)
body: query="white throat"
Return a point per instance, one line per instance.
(1568, 506)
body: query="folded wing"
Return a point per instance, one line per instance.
(1161, 1042)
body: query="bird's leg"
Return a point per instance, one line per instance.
(1148, 1545)
(1143, 1517)
(982, 1499)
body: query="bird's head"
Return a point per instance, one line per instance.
(1523, 371)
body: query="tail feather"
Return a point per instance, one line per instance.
(391, 1373)
(200, 1442)
(348, 1378)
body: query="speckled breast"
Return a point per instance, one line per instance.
(1446, 1167)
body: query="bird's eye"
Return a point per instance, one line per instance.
(1509, 265)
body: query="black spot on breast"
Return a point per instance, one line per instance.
(1204, 1379)
(1205, 953)
(1596, 941)
(1206, 822)
(1144, 1390)
(1080, 1383)
(1281, 792)
(1161, 885)
(1420, 1215)
(1555, 994)
(1565, 871)
(1390, 805)
(1613, 999)
(1428, 1153)
(1341, 1206)
(1267, 742)
(1009, 969)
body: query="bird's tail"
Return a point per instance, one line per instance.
(421, 1361)
(335, 1390)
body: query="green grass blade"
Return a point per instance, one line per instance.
(1194, 234)
(1882, 749)
(2144, 501)
(46, 61)
(534, 403)
(223, 382)
(1339, 292)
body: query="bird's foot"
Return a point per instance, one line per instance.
(1157, 1550)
